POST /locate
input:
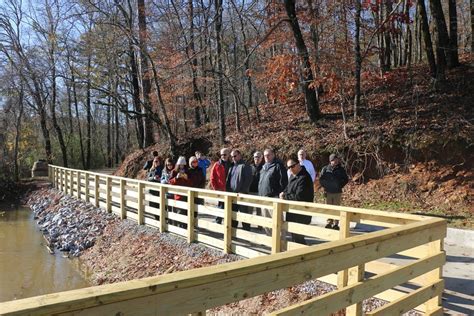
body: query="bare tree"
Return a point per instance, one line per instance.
(312, 103)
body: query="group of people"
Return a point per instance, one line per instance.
(266, 176)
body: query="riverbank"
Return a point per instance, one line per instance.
(113, 250)
(27, 267)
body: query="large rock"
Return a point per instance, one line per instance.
(40, 169)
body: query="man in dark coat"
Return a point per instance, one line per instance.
(273, 180)
(333, 178)
(238, 181)
(149, 163)
(256, 168)
(300, 188)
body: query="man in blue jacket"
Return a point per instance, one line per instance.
(333, 178)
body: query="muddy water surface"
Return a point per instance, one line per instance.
(26, 267)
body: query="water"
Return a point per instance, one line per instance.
(26, 267)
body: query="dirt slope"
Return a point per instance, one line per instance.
(410, 149)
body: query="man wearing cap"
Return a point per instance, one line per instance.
(333, 178)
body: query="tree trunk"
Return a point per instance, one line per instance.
(78, 118)
(312, 104)
(89, 113)
(387, 38)
(16, 170)
(109, 136)
(220, 79)
(453, 34)
(143, 39)
(427, 38)
(45, 131)
(472, 27)
(442, 38)
(56, 126)
(358, 58)
(136, 96)
(51, 35)
(408, 40)
(194, 63)
(117, 137)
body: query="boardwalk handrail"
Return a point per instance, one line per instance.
(418, 237)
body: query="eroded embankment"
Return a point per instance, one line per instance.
(113, 250)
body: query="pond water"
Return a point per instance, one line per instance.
(26, 267)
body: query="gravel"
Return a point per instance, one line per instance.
(114, 250)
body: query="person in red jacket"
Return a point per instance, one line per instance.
(218, 176)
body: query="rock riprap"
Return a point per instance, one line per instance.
(69, 225)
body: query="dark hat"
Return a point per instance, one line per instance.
(332, 157)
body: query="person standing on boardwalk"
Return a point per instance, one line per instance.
(256, 168)
(203, 162)
(149, 163)
(195, 176)
(154, 174)
(333, 178)
(273, 180)
(238, 181)
(308, 165)
(218, 176)
(167, 171)
(300, 188)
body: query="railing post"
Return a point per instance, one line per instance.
(79, 185)
(123, 211)
(344, 232)
(276, 227)
(356, 274)
(61, 176)
(162, 209)
(141, 217)
(191, 216)
(227, 224)
(71, 179)
(433, 305)
(65, 175)
(96, 190)
(87, 191)
(108, 194)
(351, 275)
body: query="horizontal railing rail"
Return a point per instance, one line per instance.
(356, 263)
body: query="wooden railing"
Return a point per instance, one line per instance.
(359, 264)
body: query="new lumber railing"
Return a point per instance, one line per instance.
(401, 263)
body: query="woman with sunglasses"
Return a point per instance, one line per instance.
(154, 174)
(166, 173)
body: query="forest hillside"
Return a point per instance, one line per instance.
(388, 85)
(410, 150)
